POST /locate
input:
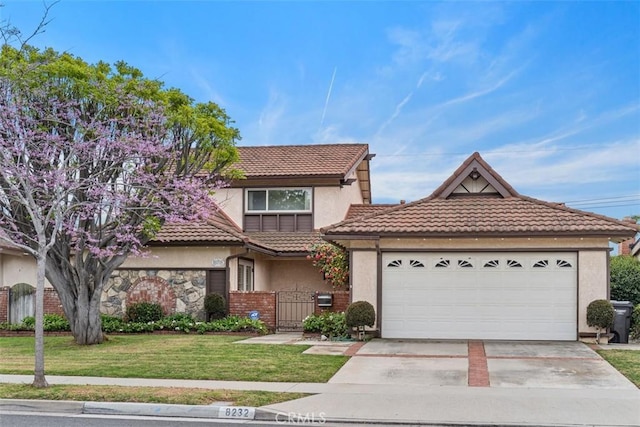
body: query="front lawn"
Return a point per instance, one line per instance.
(625, 361)
(196, 357)
(168, 395)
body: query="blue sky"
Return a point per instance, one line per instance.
(547, 92)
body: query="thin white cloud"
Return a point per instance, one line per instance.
(396, 112)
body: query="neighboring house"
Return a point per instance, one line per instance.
(477, 260)
(631, 246)
(635, 250)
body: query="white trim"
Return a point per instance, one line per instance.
(246, 275)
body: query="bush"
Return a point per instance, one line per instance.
(56, 323)
(360, 314)
(51, 323)
(111, 323)
(625, 279)
(635, 323)
(144, 312)
(330, 324)
(29, 322)
(600, 314)
(215, 306)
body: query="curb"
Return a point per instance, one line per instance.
(140, 409)
(214, 412)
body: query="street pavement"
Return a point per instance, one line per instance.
(419, 382)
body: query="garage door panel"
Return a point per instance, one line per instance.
(484, 296)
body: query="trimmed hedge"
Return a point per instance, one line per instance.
(144, 312)
(360, 314)
(215, 306)
(600, 314)
(179, 322)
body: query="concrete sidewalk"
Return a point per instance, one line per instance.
(388, 403)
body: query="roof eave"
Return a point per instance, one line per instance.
(380, 235)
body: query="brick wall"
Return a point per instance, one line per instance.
(241, 303)
(52, 304)
(341, 300)
(624, 248)
(155, 290)
(4, 304)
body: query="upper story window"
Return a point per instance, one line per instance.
(278, 209)
(279, 200)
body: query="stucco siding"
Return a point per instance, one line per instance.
(331, 203)
(261, 275)
(296, 275)
(180, 257)
(364, 276)
(19, 269)
(592, 283)
(230, 200)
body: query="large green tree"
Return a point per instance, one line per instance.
(97, 158)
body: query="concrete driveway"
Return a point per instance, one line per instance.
(566, 365)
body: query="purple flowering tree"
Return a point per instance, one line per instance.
(94, 161)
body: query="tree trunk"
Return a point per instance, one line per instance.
(39, 380)
(85, 322)
(79, 285)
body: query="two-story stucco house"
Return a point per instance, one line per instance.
(258, 242)
(474, 260)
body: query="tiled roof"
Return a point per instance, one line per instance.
(356, 211)
(478, 215)
(300, 160)
(222, 230)
(501, 212)
(284, 242)
(219, 228)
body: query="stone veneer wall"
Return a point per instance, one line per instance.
(178, 291)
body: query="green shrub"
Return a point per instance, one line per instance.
(360, 314)
(625, 279)
(56, 323)
(215, 306)
(29, 322)
(51, 323)
(111, 323)
(184, 323)
(328, 323)
(635, 323)
(144, 312)
(181, 317)
(600, 314)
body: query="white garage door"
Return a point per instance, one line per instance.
(520, 296)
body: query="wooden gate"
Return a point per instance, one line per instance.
(293, 307)
(21, 302)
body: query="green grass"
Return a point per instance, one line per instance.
(198, 357)
(169, 395)
(625, 361)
